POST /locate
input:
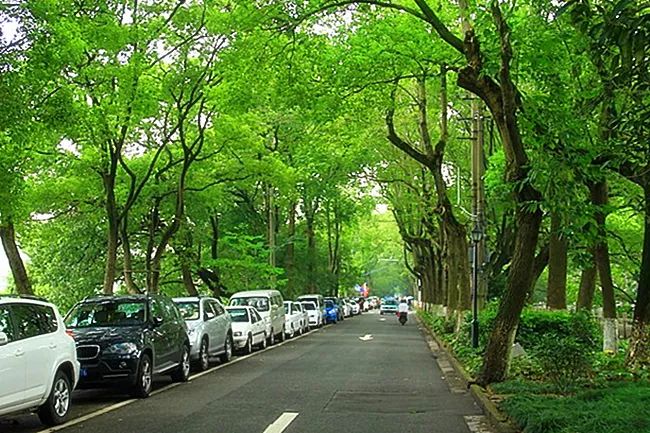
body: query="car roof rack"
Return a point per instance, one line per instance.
(19, 296)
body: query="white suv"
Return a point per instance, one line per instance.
(38, 360)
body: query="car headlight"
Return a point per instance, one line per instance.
(121, 349)
(238, 333)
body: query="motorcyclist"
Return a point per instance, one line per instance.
(403, 310)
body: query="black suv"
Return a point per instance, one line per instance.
(125, 340)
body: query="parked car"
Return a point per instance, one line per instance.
(313, 312)
(388, 306)
(347, 310)
(248, 328)
(331, 311)
(38, 360)
(319, 301)
(304, 316)
(356, 309)
(208, 327)
(125, 340)
(339, 308)
(269, 305)
(293, 319)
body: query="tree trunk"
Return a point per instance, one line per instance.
(587, 287)
(639, 351)
(21, 280)
(557, 266)
(600, 198)
(290, 255)
(311, 253)
(188, 282)
(112, 234)
(131, 287)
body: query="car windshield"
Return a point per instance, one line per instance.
(309, 306)
(189, 310)
(329, 304)
(106, 313)
(390, 302)
(238, 314)
(259, 302)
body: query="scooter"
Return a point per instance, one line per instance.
(403, 317)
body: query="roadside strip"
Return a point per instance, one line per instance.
(121, 404)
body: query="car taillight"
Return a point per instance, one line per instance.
(70, 333)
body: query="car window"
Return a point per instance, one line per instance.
(189, 310)
(218, 309)
(257, 315)
(261, 303)
(157, 309)
(309, 306)
(33, 320)
(5, 324)
(171, 311)
(208, 311)
(238, 314)
(106, 313)
(298, 307)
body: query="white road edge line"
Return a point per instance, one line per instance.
(121, 404)
(280, 424)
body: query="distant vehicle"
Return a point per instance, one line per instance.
(345, 307)
(38, 360)
(318, 300)
(293, 319)
(269, 305)
(248, 327)
(125, 340)
(331, 311)
(356, 309)
(315, 316)
(208, 327)
(304, 315)
(388, 306)
(339, 306)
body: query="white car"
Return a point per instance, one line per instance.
(38, 360)
(304, 315)
(347, 311)
(248, 328)
(268, 304)
(208, 326)
(315, 317)
(356, 309)
(294, 320)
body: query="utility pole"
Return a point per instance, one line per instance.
(271, 229)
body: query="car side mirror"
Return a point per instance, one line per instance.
(3, 339)
(157, 321)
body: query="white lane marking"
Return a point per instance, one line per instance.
(382, 320)
(121, 404)
(281, 423)
(366, 337)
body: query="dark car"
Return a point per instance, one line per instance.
(125, 340)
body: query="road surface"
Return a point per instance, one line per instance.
(366, 374)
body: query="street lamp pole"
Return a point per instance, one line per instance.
(477, 234)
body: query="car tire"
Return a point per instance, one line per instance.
(144, 381)
(56, 408)
(248, 348)
(271, 339)
(282, 334)
(182, 372)
(264, 344)
(227, 347)
(204, 355)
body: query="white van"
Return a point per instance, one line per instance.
(320, 303)
(269, 304)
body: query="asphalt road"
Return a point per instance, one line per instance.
(330, 381)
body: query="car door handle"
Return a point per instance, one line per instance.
(19, 353)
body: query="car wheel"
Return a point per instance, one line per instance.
(248, 348)
(56, 408)
(282, 334)
(264, 343)
(227, 354)
(271, 338)
(204, 357)
(182, 372)
(144, 381)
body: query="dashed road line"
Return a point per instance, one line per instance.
(280, 424)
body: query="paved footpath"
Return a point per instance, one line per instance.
(330, 381)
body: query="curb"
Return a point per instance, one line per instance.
(497, 418)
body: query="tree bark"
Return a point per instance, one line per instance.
(131, 287)
(18, 270)
(290, 255)
(587, 286)
(188, 282)
(557, 266)
(639, 351)
(311, 252)
(112, 235)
